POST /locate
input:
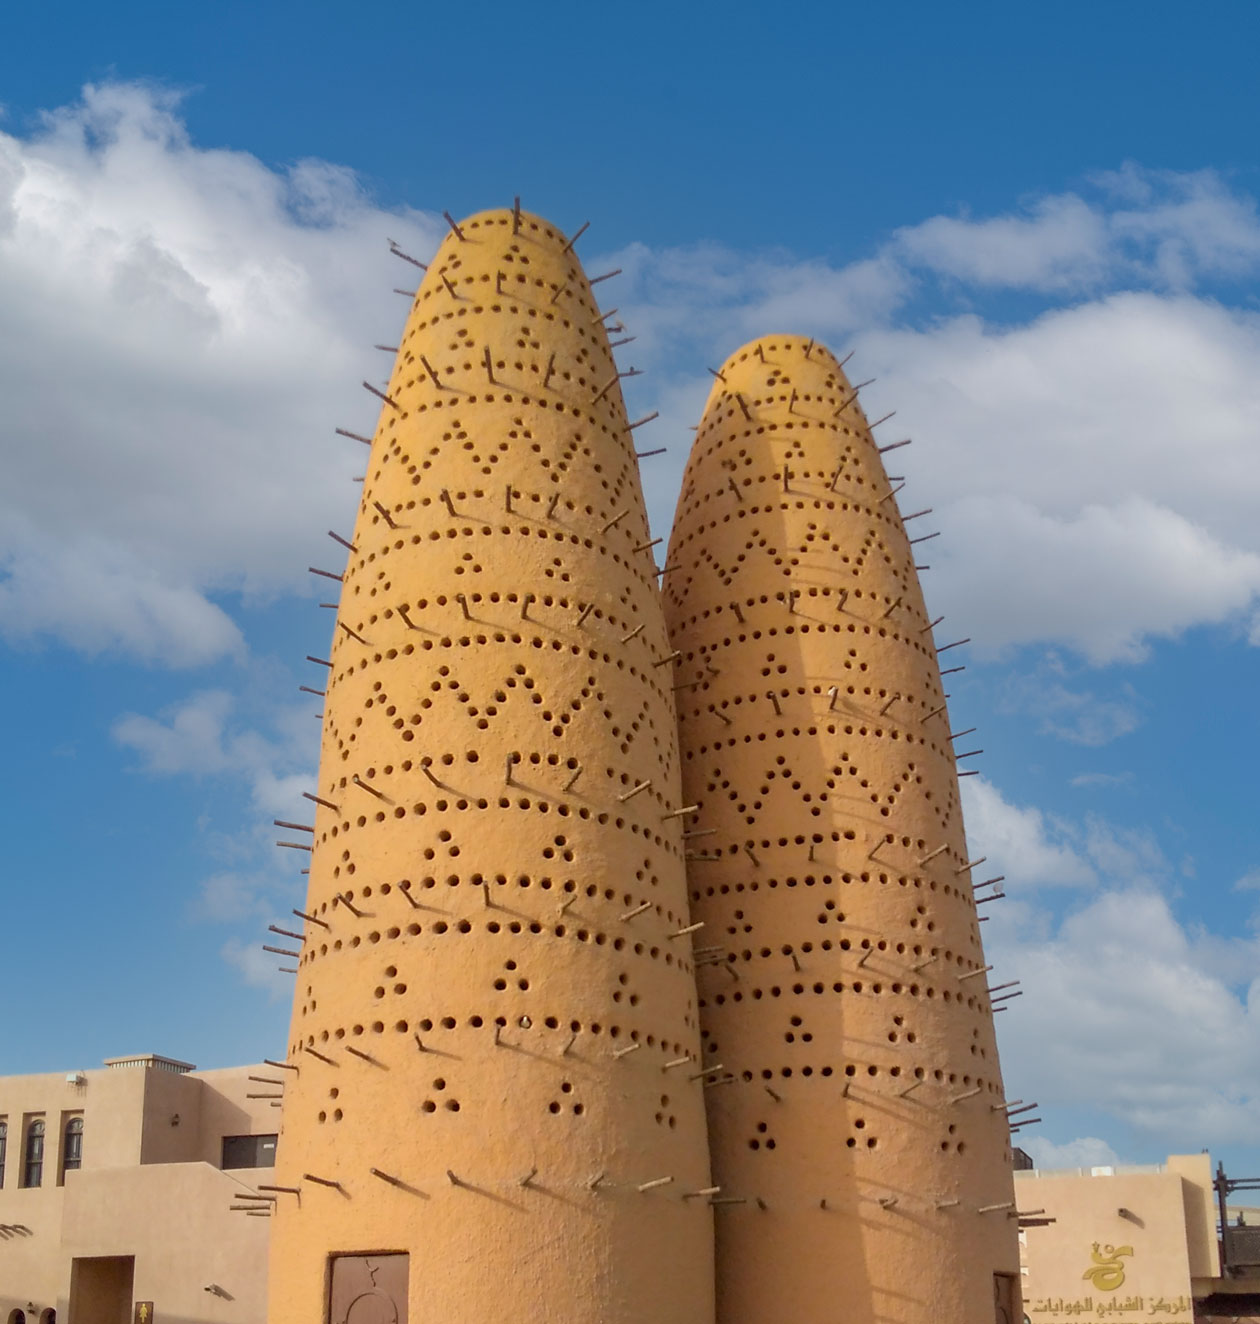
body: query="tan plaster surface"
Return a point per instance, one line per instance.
(843, 989)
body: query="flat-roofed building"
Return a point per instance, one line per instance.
(134, 1183)
(1126, 1242)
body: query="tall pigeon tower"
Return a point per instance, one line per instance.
(843, 986)
(495, 1098)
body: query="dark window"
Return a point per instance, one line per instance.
(249, 1151)
(33, 1168)
(72, 1149)
(4, 1146)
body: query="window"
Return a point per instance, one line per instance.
(249, 1151)
(72, 1145)
(4, 1145)
(33, 1165)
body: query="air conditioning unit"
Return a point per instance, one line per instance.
(75, 1078)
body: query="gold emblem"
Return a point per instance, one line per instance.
(1107, 1273)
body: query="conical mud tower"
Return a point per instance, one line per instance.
(845, 992)
(497, 1108)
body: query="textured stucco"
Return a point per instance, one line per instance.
(842, 984)
(494, 1025)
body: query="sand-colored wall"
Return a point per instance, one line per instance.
(171, 1213)
(842, 985)
(1118, 1247)
(495, 1023)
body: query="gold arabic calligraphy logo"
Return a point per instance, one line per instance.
(1107, 1273)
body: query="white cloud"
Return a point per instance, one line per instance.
(1092, 468)
(1083, 1152)
(208, 320)
(259, 969)
(199, 737)
(1125, 1013)
(1060, 244)
(1079, 716)
(1083, 779)
(1028, 847)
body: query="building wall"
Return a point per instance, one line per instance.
(1123, 1244)
(149, 1187)
(859, 1129)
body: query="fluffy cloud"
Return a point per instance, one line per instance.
(211, 318)
(207, 320)
(1125, 1013)
(1126, 1010)
(1029, 848)
(1084, 1152)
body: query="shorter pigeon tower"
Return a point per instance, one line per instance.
(844, 988)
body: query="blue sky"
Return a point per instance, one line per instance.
(1038, 231)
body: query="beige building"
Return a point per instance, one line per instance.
(131, 1192)
(1108, 1244)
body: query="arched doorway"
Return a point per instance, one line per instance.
(48, 1316)
(17, 1316)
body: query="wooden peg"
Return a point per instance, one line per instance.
(647, 418)
(778, 1098)
(311, 919)
(577, 772)
(354, 436)
(393, 404)
(406, 257)
(314, 1052)
(616, 519)
(892, 698)
(327, 574)
(525, 601)
(677, 1062)
(321, 1181)
(719, 375)
(306, 689)
(739, 400)
(524, 1181)
(462, 599)
(445, 496)
(552, 504)
(638, 910)
(630, 1048)
(551, 367)
(384, 514)
(870, 427)
(608, 275)
(450, 288)
(428, 772)
(516, 214)
(654, 1183)
(972, 974)
(748, 850)
(774, 699)
(681, 812)
(971, 864)
(356, 780)
(643, 455)
(633, 791)
(354, 634)
(349, 905)
(679, 933)
(582, 229)
(892, 607)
